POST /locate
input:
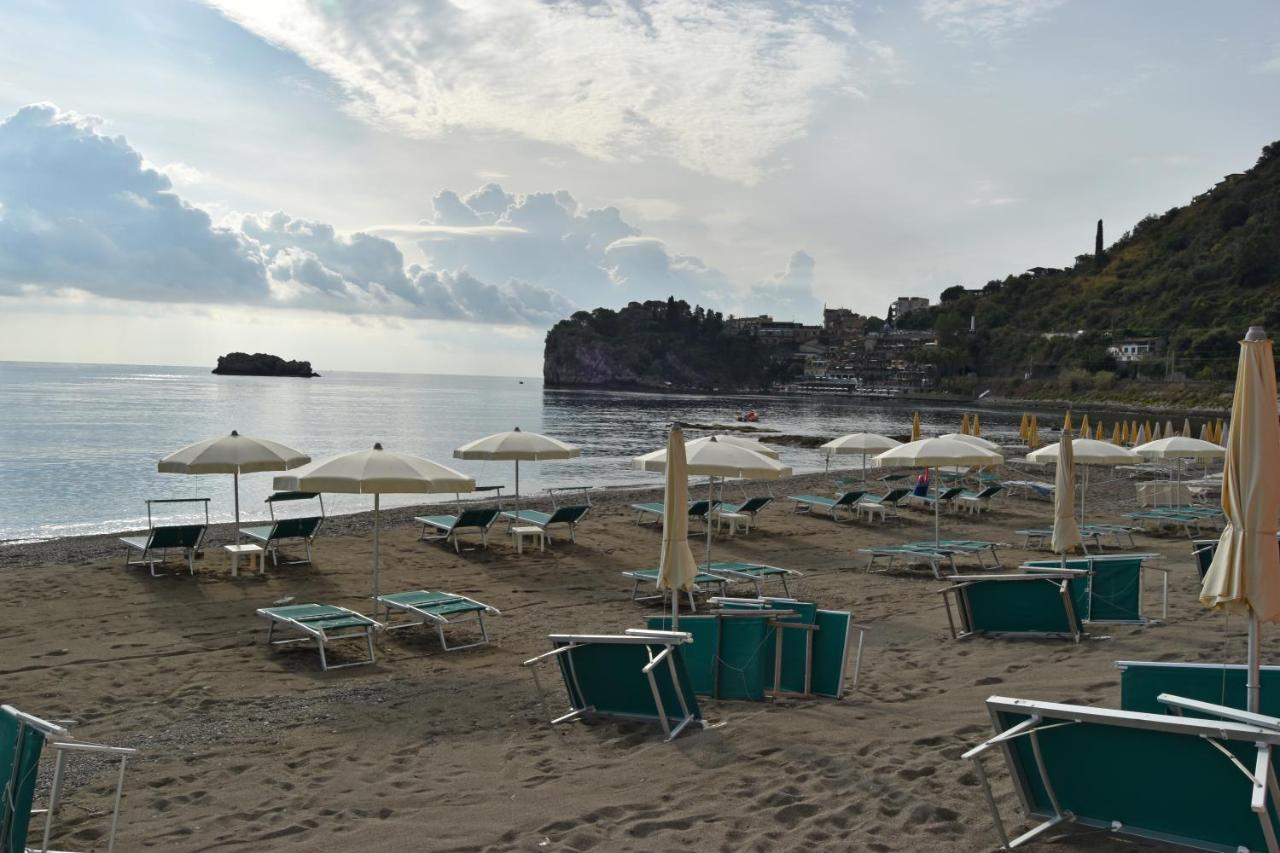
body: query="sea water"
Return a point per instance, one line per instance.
(79, 443)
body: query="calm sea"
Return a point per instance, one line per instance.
(79, 442)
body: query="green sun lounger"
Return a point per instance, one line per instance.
(305, 528)
(943, 498)
(1142, 682)
(753, 573)
(1111, 590)
(1015, 605)
(911, 555)
(807, 503)
(438, 610)
(1208, 785)
(639, 675)
(154, 547)
(752, 507)
(979, 500)
(449, 527)
(979, 549)
(23, 741)
(702, 582)
(698, 511)
(323, 623)
(566, 516)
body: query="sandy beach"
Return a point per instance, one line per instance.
(245, 747)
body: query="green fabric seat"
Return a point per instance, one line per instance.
(449, 527)
(935, 557)
(753, 573)
(567, 516)
(435, 609)
(1015, 605)
(698, 510)
(1168, 779)
(845, 501)
(323, 624)
(1141, 682)
(702, 582)
(185, 538)
(1111, 590)
(271, 535)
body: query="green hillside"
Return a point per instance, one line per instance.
(1195, 276)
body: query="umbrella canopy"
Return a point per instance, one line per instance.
(1245, 573)
(1086, 451)
(859, 442)
(375, 472)
(974, 440)
(938, 453)
(1066, 533)
(1180, 447)
(1186, 428)
(676, 567)
(740, 441)
(516, 446)
(233, 454)
(1204, 431)
(718, 459)
(1157, 435)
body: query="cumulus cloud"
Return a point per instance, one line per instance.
(991, 20)
(789, 294)
(82, 211)
(718, 87)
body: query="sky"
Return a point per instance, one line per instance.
(397, 185)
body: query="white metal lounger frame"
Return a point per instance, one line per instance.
(754, 579)
(63, 742)
(321, 637)
(912, 557)
(1146, 560)
(452, 533)
(966, 615)
(1263, 777)
(697, 587)
(191, 553)
(638, 636)
(440, 620)
(273, 544)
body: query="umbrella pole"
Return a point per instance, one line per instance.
(236, 475)
(517, 488)
(377, 523)
(675, 609)
(936, 538)
(1255, 667)
(706, 520)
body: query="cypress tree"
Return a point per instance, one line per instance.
(1098, 255)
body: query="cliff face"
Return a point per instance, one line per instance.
(658, 345)
(261, 364)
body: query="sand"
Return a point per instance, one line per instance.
(246, 747)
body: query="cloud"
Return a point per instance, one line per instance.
(1269, 66)
(81, 213)
(789, 294)
(989, 20)
(718, 87)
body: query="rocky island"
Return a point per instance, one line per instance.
(261, 364)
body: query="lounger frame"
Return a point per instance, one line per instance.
(306, 528)
(149, 546)
(743, 573)
(62, 742)
(422, 615)
(701, 581)
(321, 637)
(968, 625)
(450, 532)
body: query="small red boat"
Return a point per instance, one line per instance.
(749, 416)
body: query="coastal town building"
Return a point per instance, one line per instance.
(904, 305)
(1135, 349)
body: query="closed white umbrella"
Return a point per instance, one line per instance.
(937, 453)
(748, 443)
(233, 454)
(676, 568)
(1066, 534)
(516, 446)
(859, 442)
(1086, 451)
(376, 472)
(1245, 573)
(714, 459)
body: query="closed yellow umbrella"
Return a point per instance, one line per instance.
(1204, 432)
(677, 567)
(976, 427)
(1033, 433)
(1066, 533)
(1151, 430)
(915, 427)
(1023, 428)
(964, 424)
(1118, 433)
(1100, 434)
(1218, 435)
(1245, 573)
(1066, 422)
(1084, 427)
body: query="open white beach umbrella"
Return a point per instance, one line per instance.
(1245, 573)
(376, 472)
(714, 459)
(976, 441)
(676, 567)
(516, 446)
(1066, 533)
(1086, 451)
(1179, 447)
(740, 441)
(859, 442)
(937, 453)
(233, 454)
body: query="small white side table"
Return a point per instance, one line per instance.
(256, 558)
(734, 519)
(522, 532)
(870, 510)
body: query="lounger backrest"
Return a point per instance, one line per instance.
(609, 677)
(296, 528)
(477, 518)
(989, 492)
(1141, 682)
(950, 493)
(1016, 606)
(1158, 778)
(894, 496)
(847, 499)
(1204, 549)
(755, 504)
(701, 507)
(20, 747)
(568, 514)
(176, 536)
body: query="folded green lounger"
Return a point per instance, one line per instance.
(323, 623)
(437, 609)
(639, 675)
(753, 573)
(701, 581)
(1142, 682)
(450, 526)
(1204, 784)
(933, 557)
(807, 503)
(185, 538)
(23, 739)
(698, 511)
(569, 516)
(1023, 605)
(1112, 590)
